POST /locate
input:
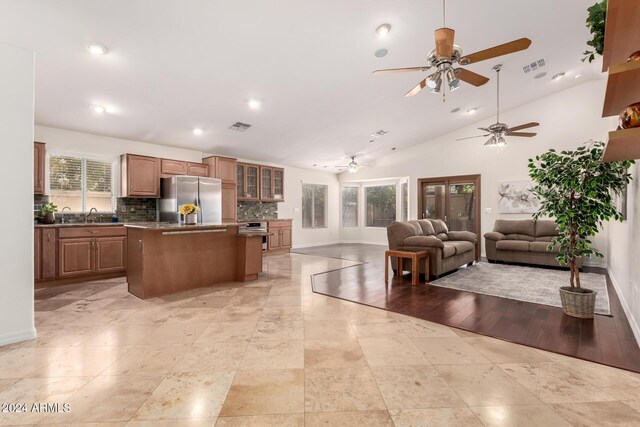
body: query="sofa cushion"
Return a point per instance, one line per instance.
(494, 235)
(440, 229)
(398, 231)
(525, 227)
(461, 246)
(547, 239)
(546, 227)
(426, 241)
(521, 237)
(541, 247)
(416, 227)
(463, 235)
(427, 227)
(448, 250)
(512, 245)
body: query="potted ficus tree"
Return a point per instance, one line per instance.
(576, 189)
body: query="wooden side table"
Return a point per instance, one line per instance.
(415, 258)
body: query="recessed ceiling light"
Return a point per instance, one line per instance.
(540, 75)
(393, 149)
(383, 30)
(557, 76)
(381, 53)
(455, 110)
(97, 48)
(254, 104)
(472, 110)
(577, 76)
(197, 131)
(315, 164)
(99, 109)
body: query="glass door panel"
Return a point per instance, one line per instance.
(434, 201)
(278, 184)
(461, 206)
(266, 183)
(252, 182)
(240, 176)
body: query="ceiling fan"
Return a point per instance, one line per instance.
(352, 166)
(446, 55)
(499, 130)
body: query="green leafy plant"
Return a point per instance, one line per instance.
(596, 23)
(48, 208)
(576, 189)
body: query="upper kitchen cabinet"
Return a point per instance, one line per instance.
(173, 167)
(223, 168)
(39, 156)
(248, 182)
(271, 184)
(197, 169)
(140, 176)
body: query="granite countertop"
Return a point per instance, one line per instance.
(264, 220)
(166, 226)
(80, 224)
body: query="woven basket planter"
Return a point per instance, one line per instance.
(578, 302)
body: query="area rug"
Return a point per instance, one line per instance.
(530, 284)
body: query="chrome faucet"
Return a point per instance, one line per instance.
(92, 210)
(62, 213)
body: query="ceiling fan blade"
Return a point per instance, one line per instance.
(471, 137)
(444, 42)
(417, 88)
(525, 134)
(485, 129)
(471, 77)
(525, 126)
(401, 70)
(492, 52)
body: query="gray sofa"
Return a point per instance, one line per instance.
(448, 250)
(522, 241)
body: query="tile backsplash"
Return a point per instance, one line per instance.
(135, 210)
(257, 210)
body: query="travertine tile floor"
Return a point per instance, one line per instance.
(272, 353)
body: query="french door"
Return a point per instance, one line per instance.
(453, 199)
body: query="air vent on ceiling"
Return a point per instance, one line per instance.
(239, 126)
(534, 66)
(379, 133)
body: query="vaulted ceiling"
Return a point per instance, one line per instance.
(176, 65)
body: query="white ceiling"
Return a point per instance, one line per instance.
(174, 65)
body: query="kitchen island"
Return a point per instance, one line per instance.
(166, 258)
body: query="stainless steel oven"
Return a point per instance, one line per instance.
(256, 227)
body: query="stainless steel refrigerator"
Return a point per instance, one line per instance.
(206, 193)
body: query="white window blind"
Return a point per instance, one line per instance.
(81, 183)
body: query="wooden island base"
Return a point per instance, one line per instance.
(164, 259)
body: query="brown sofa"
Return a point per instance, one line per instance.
(522, 241)
(448, 250)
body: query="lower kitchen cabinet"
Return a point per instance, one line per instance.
(73, 252)
(279, 235)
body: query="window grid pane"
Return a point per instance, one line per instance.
(381, 205)
(65, 182)
(314, 205)
(349, 206)
(98, 192)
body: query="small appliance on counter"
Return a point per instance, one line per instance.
(205, 193)
(255, 227)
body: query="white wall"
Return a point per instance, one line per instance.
(16, 172)
(292, 207)
(98, 145)
(567, 119)
(624, 254)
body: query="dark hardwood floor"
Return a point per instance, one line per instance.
(606, 339)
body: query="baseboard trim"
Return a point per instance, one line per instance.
(13, 337)
(362, 242)
(632, 322)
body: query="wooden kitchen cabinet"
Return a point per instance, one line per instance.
(229, 205)
(39, 159)
(197, 169)
(110, 254)
(173, 167)
(77, 257)
(48, 249)
(223, 168)
(37, 258)
(248, 183)
(271, 184)
(280, 235)
(140, 176)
